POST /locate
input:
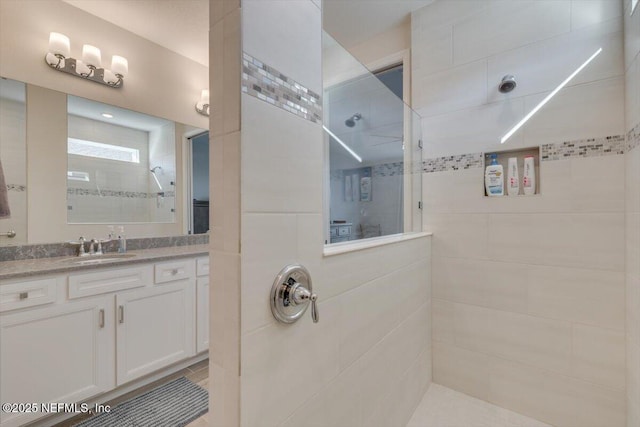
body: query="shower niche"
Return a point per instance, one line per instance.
(519, 154)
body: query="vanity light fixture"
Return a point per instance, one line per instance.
(202, 106)
(90, 67)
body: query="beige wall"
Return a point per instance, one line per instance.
(632, 109)
(160, 83)
(528, 292)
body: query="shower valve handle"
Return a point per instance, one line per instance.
(291, 295)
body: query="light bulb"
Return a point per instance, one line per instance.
(59, 44)
(119, 65)
(91, 56)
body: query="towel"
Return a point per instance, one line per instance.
(4, 197)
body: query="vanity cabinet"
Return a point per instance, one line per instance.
(56, 353)
(70, 337)
(155, 328)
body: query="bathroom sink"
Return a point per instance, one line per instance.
(97, 259)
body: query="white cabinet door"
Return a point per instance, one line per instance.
(155, 327)
(202, 314)
(59, 353)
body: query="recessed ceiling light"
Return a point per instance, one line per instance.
(107, 115)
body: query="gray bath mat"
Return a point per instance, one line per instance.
(174, 404)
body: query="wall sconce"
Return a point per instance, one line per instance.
(90, 68)
(202, 106)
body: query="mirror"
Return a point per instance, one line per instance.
(13, 152)
(98, 169)
(121, 165)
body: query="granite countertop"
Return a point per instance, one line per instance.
(33, 267)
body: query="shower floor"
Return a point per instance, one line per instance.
(443, 407)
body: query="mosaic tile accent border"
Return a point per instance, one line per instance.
(592, 147)
(633, 138)
(17, 188)
(452, 163)
(270, 85)
(377, 171)
(49, 250)
(112, 193)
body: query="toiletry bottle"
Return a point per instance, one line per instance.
(513, 180)
(122, 241)
(494, 178)
(529, 176)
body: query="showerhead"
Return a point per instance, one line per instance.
(351, 121)
(156, 168)
(507, 84)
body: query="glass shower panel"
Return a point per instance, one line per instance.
(372, 137)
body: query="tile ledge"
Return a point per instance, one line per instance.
(358, 245)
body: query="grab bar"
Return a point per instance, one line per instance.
(10, 234)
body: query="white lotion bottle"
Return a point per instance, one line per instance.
(513, 180)
(494, 178)
(529, 176)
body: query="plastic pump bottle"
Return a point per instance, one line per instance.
(494, 178)
(513, 180)
(122, 241)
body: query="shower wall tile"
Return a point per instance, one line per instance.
(375, 309)
(577, 112)
(483, 127)
(459, 235)
(568, 51)
(585, 13)
(599, 356)
(586, 296)
(283, 155)
(462, 370)
(465, 88)
(268, 29)
(569, 240)
(536, 392)
(631, 34)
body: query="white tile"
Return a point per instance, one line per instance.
(459, 235)
(631, 36)
(281, 160)
(269, 243)
(434, 52)
(270, 354)
(458, 191)
(555, 399)
(483, 128)
(571, 240)
(460, 369)
(443, 318)
(632, 180)
(267, 37)
(599, 191)
(454, 89)
(592, 297)
(402, 346)
(578, 112)
(585, 13)
(542, 66)
(443, 407)
(632, 94)
(532, 340)
(599, 356)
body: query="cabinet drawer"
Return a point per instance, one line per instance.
(175, 270)
(28, 293)
(111, 280)
(202, 266)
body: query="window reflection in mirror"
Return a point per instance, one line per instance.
(13, 158)
(121, 165)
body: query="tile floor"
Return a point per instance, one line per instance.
(443, 407)
(440, 406)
